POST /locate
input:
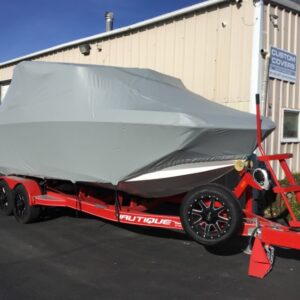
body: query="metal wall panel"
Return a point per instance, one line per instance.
(210, 50)
(283, 33)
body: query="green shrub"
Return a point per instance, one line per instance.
(279, 208)
(284, 182)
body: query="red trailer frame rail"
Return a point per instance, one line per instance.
(134, 213)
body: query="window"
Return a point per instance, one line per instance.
(291, 126)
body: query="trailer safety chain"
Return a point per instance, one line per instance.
(270, 250)
(250, 243)
(260, 264)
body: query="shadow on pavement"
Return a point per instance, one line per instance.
(235, 246)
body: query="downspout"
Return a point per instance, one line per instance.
(257, 63)
(256, 76)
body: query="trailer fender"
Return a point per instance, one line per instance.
(32, 187)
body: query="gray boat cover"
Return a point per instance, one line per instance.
(109, 124)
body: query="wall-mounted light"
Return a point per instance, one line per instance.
(85, 49)
(238, 3)
(264, 53)
(274, 20)
(99, 47)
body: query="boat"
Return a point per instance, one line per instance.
(133, 129)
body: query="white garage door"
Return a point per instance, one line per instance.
(3, 91)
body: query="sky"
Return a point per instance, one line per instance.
(27, 26)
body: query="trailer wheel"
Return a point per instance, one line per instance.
(211, 214)
(23, 211)
(6, 199)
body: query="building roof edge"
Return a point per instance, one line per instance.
(138, 25)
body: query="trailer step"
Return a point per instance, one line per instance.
(275, 157)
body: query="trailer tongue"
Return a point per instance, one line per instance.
(211, 214)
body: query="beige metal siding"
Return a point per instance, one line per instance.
(283, 94)
(210, 50)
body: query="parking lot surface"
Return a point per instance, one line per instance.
(77, 257)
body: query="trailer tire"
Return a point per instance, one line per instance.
(211, 215)
(6, 199)
(23, 211)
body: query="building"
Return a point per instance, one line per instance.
(219, 48)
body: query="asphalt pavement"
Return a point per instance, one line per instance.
(70, 256)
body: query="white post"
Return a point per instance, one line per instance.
(257, 45)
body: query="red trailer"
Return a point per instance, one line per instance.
(210, 214)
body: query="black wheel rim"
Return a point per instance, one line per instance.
(3, 198)
(20, 204)
(209, 217)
